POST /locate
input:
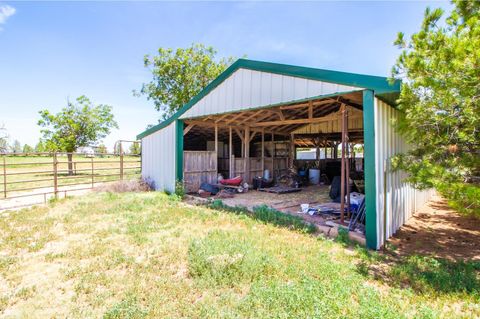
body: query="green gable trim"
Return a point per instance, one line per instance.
(225, 74)
(380, 85)
(370, 170)
(179, 151)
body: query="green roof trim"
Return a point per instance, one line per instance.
(380, 85)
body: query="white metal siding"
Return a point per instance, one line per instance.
(246, 89)
(402, 200)
(158, 158)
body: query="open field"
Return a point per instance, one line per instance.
(25, 174)
(148, 255)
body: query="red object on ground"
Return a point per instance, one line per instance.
(236, 181)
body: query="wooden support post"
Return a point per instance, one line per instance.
(273, 155)
(55, 175)
(4, 178)
(246, 158)
(263, 151)
(216, 152)
(121, 161)
(310, 109)
(342, 174)
(230, 154)
(243, 148)
(292, 150)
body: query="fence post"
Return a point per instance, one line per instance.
(92, 172)
(121, 161)
(55, 175)
(4, 178)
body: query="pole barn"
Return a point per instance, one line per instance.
(259, 116)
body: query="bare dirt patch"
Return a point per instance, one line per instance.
(438, 231)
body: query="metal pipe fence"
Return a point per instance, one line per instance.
(48, 175)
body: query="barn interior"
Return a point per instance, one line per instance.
(294, 151)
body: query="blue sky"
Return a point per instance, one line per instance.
(57, 50)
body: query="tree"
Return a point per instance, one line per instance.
(79, 124)
(27, 149)
(179, 75)
(440, 104)
(3, 139)
(135, 148)
(102, 149)
(16, 147)
(40, 147)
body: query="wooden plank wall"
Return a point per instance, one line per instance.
(199, 167)
(224, 166)
(238, 167)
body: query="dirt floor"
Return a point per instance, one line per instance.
(438, 231)
(289, 203)
(311, 194)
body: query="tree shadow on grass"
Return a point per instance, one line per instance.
(423, 274)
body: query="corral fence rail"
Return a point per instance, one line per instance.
(47, 175)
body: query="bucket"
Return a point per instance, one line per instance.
(266, 174)
(314, 176)
(304, 208)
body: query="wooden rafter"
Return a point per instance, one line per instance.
(234, 118)
(252, 115)
(239, 133)
(298, 121)
(222, 117)
(187, 129)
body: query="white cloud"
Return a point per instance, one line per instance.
(6, 12)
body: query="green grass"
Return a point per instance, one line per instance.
(148, 255)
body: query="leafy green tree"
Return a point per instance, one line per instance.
(40, 147)
(440, 104)
(179, 75)
(27, 149)
(135, 148)
(79, 124)
(16, 147)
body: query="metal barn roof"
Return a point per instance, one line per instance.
(344, 82)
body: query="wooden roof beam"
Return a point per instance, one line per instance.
(299, 121)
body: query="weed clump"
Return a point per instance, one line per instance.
(125, 186)
(127, 308)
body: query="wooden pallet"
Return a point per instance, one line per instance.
(280, 190)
